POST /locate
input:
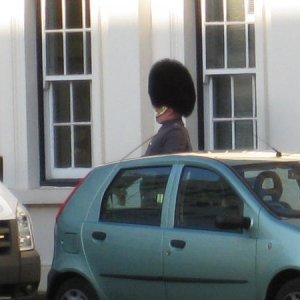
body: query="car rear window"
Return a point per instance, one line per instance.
(136, 196)
(277, 184)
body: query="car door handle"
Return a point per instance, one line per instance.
(178, 244)
(99, 235)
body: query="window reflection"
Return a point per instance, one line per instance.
(61, 102)
(62, 146)
(73, 13)
(236, 40)
(88, 53)
(203, 196)
(81, 101)
(235, 10)
(82, 136)
(215, 47)
(214, 10)
(223, 135)
(251, 42)
(136, 196)
(54, 54)
(53, 14)
(244, 135)
(74, 52)
(243, 98)
(222, 96)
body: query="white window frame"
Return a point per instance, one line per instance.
(52, 172)
(208, 74)
(232, 119)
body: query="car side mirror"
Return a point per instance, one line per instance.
(232, 222)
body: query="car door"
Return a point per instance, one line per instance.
(124, 247)
(202, 261)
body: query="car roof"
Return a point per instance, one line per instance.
(249, 157)
(231, 158)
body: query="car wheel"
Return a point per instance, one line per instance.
(289, 291)
(75, 289)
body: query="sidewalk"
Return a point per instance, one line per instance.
(40, 296)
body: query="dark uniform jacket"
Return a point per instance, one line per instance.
(172, 137)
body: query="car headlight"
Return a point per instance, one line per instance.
(25, 230)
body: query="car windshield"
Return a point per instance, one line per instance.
(276, 184)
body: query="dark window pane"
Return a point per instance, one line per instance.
(73, 14)
(54, 54)
(235, 10)
(221, 96)
(203, 196)
(81, 101)
(236, 41)
(62, 147)
(244, 135)
(88, 53)
(87, 13)
(223, 135)
(82, 139)
(136, 196)
(74, 45)
(53, 14)
(251, 42)
(61, 102)
(243, 99)
(214, 47)
(214, 10)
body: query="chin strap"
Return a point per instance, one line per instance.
(161, 111)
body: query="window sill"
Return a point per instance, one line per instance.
(46, 195)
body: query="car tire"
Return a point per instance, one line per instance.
(76, 289)
(290, 290)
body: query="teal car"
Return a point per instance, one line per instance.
(194, 226)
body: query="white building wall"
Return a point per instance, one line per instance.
(282, 65)
(129, 41)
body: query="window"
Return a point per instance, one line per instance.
(67, 72)
(277, 184)
(203, 196)
(136, 196)
(229, 71)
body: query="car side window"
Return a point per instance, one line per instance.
(136, 196)
(203, 196)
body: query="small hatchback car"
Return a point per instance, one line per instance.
(194, 226)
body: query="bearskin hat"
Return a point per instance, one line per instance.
(170, 84)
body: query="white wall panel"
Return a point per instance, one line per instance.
(283, 65)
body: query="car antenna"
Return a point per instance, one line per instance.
(137, 147)
(278, 153)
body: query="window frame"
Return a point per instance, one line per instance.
(232, 119)
(49, 173)
(207, 75)
(249, 19)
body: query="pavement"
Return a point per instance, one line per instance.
(40, 296)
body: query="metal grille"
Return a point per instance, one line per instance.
(5, 240)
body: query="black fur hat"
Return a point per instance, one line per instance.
(170, 84)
